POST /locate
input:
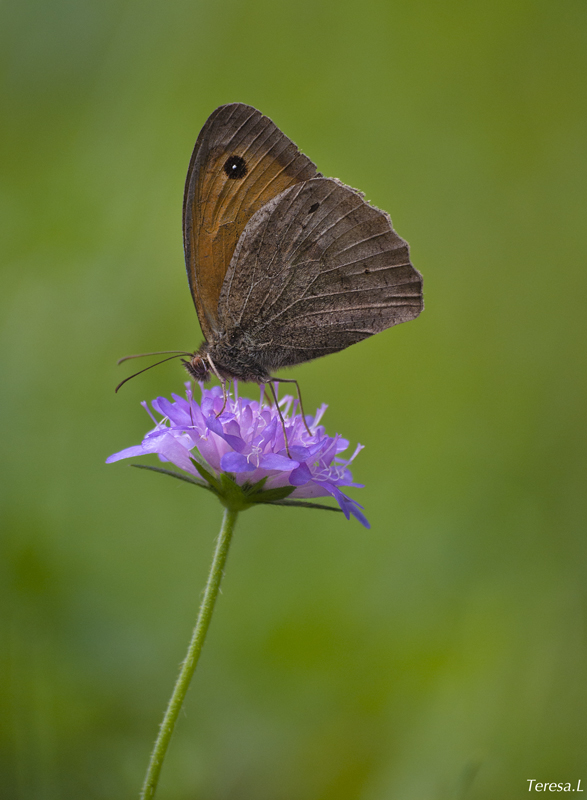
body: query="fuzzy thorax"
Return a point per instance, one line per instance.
(227, 361)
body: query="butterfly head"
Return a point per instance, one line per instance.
(198, 368)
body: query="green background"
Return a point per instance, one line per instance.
(439, 656)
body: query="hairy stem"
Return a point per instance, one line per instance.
(193, 654)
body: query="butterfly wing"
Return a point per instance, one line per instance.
(240, 162)
(316, 270)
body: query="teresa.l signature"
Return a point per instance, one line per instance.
(536, 786)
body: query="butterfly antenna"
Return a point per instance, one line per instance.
(146, 368)
(156, 353)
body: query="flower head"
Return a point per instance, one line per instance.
(246, 442)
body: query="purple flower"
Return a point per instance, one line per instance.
(246, 441)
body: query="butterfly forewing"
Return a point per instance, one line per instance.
(241, 161)
(316, 270)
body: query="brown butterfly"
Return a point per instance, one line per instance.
(284, 265)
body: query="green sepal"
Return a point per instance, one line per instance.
(235, 497)
(178, 475)
(306, 504)
(272, 495)
(232, 496)
(253, 488)
(212, 480)
(255, 493)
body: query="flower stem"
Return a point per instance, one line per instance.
(189, 665)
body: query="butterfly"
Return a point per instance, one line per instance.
(284, 265)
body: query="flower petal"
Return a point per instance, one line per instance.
(300, 476)
(276, 461)
(235, 462)
(215, 425)
(129, 452)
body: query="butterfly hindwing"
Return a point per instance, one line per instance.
(316, 270)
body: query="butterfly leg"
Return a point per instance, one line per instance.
(224, 397)
(293, 380)
(280, 417)
(223, 383)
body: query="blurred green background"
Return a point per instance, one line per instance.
(441, 655)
